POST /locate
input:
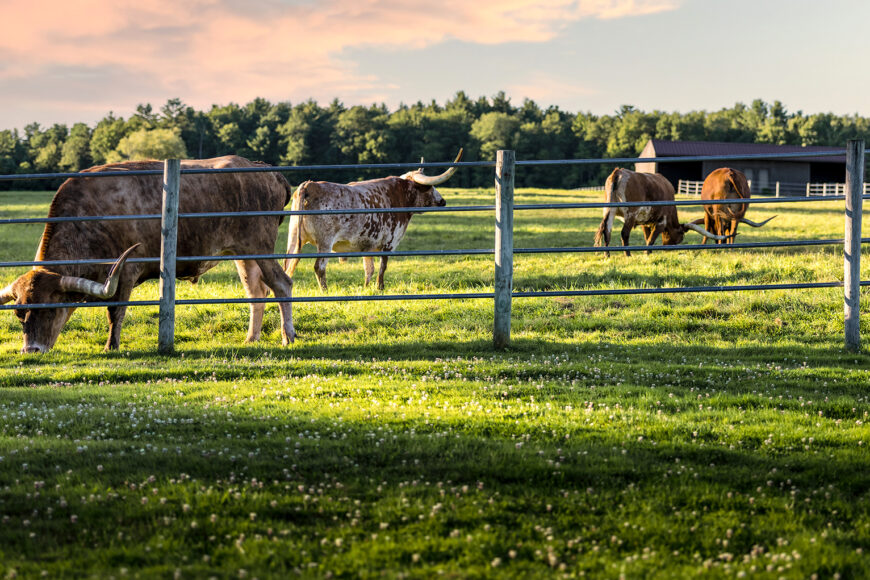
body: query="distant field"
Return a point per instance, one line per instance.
(646, 436)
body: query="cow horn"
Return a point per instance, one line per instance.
(95, 289)
(753, 224)
(436, 179)
(7, 295)
(703, 232)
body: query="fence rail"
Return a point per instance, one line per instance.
(779, 188)
(852, 192)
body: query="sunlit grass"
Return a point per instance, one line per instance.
(719, 434)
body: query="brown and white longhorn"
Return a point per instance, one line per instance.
(361, 232)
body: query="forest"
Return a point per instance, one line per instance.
(309, 133)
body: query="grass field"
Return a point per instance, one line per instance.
(668, 436)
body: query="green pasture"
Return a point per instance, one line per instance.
(658, 436)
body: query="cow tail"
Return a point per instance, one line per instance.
(603, 234)
(294, 237)
(737, 190)
(288, 189)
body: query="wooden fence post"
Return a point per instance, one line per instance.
(852, 244)
(504, 246)
(168, 247)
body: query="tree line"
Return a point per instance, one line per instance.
(311, 134)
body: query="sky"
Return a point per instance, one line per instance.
(76, 60)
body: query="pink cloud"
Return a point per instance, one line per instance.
(549, 89)
(216, 51)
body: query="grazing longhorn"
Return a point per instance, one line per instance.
(722, 219)
(624, 185)
(361, 232)
(199, 193)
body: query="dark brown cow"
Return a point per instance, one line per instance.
(722, 219)
(214, 192)
(624, 185)
(362, 232)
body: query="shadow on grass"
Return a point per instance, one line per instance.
(674, 364)
(579, 481)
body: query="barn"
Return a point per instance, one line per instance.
(763, 173)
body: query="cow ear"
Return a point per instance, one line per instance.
(7, 294)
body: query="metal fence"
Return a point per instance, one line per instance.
(503, 251)
(778, 188)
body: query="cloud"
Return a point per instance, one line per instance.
(217, 51)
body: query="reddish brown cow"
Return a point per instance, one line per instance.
(722, 219)
(624, 185)
(362, 232)
(213, 192)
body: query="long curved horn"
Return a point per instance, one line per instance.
(95, 289)
(6, 295)
(753, 224)
(436, 179)
(703, 232)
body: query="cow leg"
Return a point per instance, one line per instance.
(282, 286)
(382, 270)
(652, 234)
(369, 267)
(320, 264)
(709, 225)
(733, 230)
(252, 280)
(721, 228)
(116, 314)
(116, 318)
(320, 271)
(626, 232)
(647, 236)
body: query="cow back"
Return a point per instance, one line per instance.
(358, 231)
(726, 183)
(143, 194)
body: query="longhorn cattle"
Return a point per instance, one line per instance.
(624, 185)
(89, 196)
(722, 219)
(362, 232)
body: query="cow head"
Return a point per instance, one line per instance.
(42, 326)
(672, 236)
(423, 192)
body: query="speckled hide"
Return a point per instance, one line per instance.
(214, 192)
(366, 232)
(624, 185)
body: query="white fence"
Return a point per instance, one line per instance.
(779, 188)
